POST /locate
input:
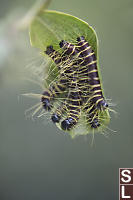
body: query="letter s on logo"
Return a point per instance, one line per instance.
(125, 173)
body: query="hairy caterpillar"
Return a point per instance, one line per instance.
(69, 79)
(89, 70)
(60, 85)
(81, 69)
(78, 84)
(90, 84)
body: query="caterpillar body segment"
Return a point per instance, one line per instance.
(66, 70)
(55, 55)
(85, 51)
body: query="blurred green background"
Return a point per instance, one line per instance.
(38, 161)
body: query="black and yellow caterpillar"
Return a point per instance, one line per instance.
(57, 87)
(79, 79)
(89, 83)
(69, 79)
(89, 74)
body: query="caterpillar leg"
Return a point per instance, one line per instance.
(46, 100)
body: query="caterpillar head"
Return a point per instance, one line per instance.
(81, 39)
(103, 104)
(45, 101)
(67, 124)
(63, 44)
(49, 50)
(55, 118)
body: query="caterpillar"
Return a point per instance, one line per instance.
(73, 100)
(79, 79)
(90, 84)
(89, 72)
(60, 85)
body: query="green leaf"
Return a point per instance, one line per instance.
(49, 28)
